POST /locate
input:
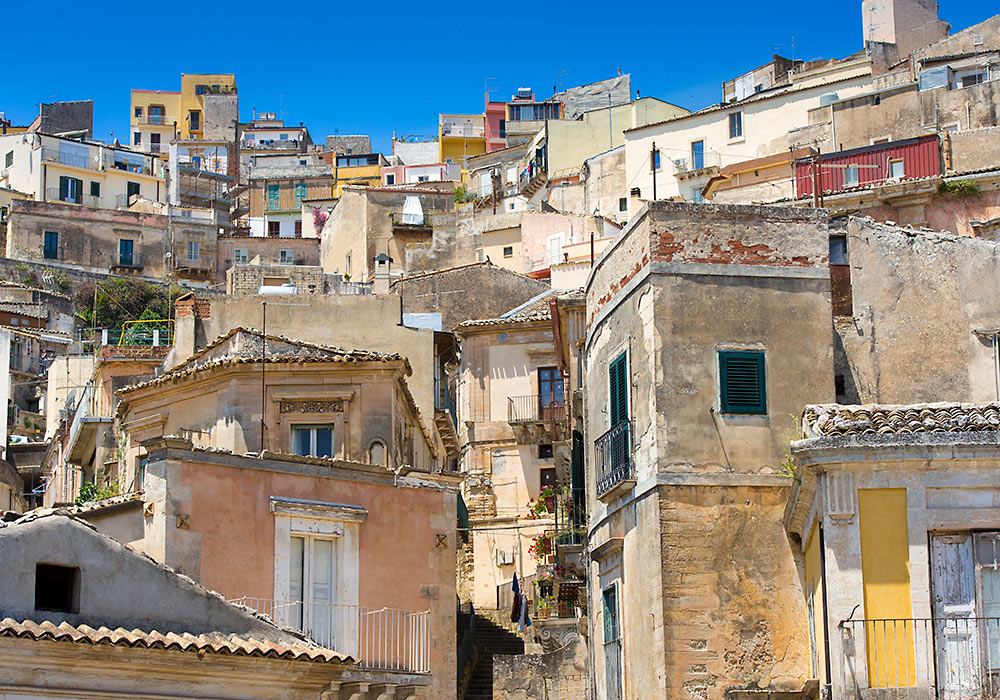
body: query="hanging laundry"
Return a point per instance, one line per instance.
(515, 610)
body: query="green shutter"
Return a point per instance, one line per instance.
(742, 382)
(63, 186)
(79, 191)
(618, 377)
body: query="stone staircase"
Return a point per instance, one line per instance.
(491, 638)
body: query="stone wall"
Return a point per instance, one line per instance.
(346, 145)
(248, 279)
(558, 675)
(918, 298)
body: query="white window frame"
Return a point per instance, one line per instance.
(286, 256)
(729, 126)
(892, 176)
(312, 428)
(856, 171)
(194, 246)
(317, 519)
(390, 178)
(241, 256)
(559, 238)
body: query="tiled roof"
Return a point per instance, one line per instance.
(24, 308)
(830, 420)
(535, 309)
(216, 643)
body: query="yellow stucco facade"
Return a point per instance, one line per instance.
(160, 111)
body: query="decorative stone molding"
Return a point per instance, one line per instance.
(555, 633)
(312, 406)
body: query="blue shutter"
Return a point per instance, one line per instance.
(742, 382)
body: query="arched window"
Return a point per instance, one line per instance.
(377, 453)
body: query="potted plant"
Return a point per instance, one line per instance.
(540, 546)
(542, 608)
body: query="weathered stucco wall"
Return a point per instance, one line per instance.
(918, 297)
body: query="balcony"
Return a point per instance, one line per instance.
(461, 130)
(87, 200)
(615, 471)
(951, 657)
(382, 639)
(110, 159)
(155, 120)
(416, 223)
(536, 419)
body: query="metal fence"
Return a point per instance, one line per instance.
(614, 457)
(522, 409)
(386, 639)
(953, 658)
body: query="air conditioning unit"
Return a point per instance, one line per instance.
(504, 558)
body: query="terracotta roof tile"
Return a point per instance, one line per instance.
(216, 643)
(829, 420)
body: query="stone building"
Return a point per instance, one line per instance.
(512, 402)
(180, 245)
(240, 249)
(320, 458)
(85, 615)
(896, 515)
(708, 329)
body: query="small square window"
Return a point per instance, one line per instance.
(138, 111)
(742, 382)
(286, 256)
(95, 188)
(508, 251)
(623, 204)
(313, 440)
(390, 179)
(57, 588)
(137, 139)
(545, 450)
(8, 159)
(897, 169)
(547, 477)
(851, 176)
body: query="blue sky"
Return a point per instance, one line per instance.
(372, 68)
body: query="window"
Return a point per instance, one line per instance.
(131, 188)
(735, 125)
(273, 196)
(157, 114)
(851, 176)
(741, 382)
(274, 228)
(547, 476)
(194, 121)
(508, 251)
(298, 228)
(312, 440)
(390, 179)
(240, 256)
(618, 394)
(838, 250)
(125, 250)
(424, 178)
(312, 578)
(283, 137)
(554, 246)
(302, 161)
(138, 111)
(545, 450)
(137, 139)
(503, 128)
(95, 188)
(57, 588)
(8, 160)
(376, 453)
(897, 169)
(612, 644)
(193, 250)
(697, 155)
(696, 195)
(70, 190)
(286, 256)
(300, 193)
(550, 393)
(3, 214)
(51, 246)
(154, 143)
(623, 204)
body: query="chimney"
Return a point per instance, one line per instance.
(381, 284)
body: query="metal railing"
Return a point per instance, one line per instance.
(155, 120)
(386, 639)
(535, 408)
(77, 160)
(614, 457)
(63, 484)
(415, 220)
(461, 130)
(953, 658)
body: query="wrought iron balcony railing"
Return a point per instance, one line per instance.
(535, 409)
(614, 458)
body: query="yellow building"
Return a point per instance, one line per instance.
(157, 116)
(459, 137)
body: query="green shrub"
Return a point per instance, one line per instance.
(960, 188)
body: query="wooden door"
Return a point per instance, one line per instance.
(955, 635)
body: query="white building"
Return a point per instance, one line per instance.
(58, 169)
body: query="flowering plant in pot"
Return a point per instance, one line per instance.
(543, 505)
(540, 546)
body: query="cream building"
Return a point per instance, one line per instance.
(90, 174)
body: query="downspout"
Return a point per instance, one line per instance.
(826, 615)
(996, 362)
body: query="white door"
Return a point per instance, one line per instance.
(312, 589)
(955, 635)
(555, 246)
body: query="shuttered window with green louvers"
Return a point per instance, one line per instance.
(742, 382)
(618, 374)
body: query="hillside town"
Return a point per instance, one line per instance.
(580, 395)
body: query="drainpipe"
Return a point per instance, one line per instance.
(826, 616)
